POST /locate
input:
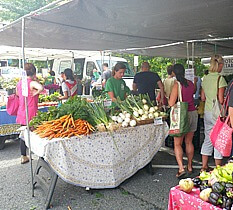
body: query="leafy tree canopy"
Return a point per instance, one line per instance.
(11, 10)
(160, 64)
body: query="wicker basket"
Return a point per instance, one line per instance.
(144, 122)
(148, 121)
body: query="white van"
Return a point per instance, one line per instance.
(83, 69)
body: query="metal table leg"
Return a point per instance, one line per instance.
(149, 168)
(2, 142)
(43, 182)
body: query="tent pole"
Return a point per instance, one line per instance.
(187, 46)
(192, 54)
(26, 104)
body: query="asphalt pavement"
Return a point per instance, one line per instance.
(141, 191)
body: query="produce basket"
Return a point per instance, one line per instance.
(144, 122)
(148, 121)
(9, 129)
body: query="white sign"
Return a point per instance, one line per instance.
(228, 66)
(135, 61)
(24, 83)
(98, 87)
(189, 74)
(108, 103)
(158, 121)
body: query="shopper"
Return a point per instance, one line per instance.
(187, 91)
(145, 82)
(169, 82)
(116, 86)
(107, 73)
(34, 89)
(69, 86)
(210, 92)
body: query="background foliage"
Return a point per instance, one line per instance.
(160, 64)
(13, 9)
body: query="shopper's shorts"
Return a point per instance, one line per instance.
(193, 118)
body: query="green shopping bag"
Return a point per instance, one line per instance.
(179, 123)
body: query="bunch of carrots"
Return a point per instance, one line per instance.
(65, 126)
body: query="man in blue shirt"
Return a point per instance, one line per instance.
(145, 82)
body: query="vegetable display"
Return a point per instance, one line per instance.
(186, 185)
(77, 116)
(9, 129)
(136, 109)
(216, 187)
(65, 126)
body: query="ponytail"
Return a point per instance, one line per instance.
(179, 71)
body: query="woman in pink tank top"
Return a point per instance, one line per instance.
(187, 91)
(34, 88)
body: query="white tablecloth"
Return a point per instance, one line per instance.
(103, 159)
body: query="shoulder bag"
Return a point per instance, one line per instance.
(221, 133)
(216, 109)
(179, 124)
(12, 104)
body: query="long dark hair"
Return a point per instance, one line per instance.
(179, 71)
(69, 74)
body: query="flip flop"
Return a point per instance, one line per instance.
(208, 169)
(180, 174)
(189, 171)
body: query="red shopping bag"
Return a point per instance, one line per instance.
(12, 104)
(221, 136)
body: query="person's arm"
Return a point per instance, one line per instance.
(221, 94)
(161, 87)
(103, 82)
(135, 88)
(111, 95)
(54, 81)
(65, 95)
(203, 98)
(195, 84)
(230, 111)
(36, 87)
(174, 94)
(16, 91)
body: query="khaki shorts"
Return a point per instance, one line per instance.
(193, 118)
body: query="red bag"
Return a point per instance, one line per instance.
(221, 133)
(221, 136)
(12, 104)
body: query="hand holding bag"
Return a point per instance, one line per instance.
(12, 104)
(179, 117)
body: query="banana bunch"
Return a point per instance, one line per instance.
(9, 129)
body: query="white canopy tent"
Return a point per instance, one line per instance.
(114, 25)
(9, 52)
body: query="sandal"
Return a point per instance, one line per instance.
(208, 169)
(189, 171)
(180, 174)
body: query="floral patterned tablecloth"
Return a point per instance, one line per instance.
(103, 159)
(181, 200)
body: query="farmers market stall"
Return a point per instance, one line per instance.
(182, 200)
(210, 190)
(8, 126)
(100, 160)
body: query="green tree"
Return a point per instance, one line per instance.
(11, 10)
(160, 64)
